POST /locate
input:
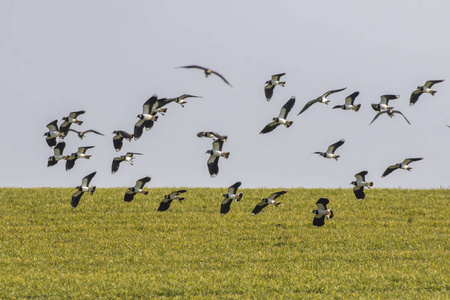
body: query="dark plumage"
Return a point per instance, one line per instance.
(53, 133)
(68, 121)
(165, 204)
(207, 72)
(81, 153)
(266, 201)
(331, 149)
(84, 187)
(57, 154)
(147, 118)
(180, 100)
(81, 134)
(118, 139)
(212, 135)
(349, 103)
(281, 120)
(384, 103)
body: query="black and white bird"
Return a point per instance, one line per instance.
(84, 187)
(321, 99)
(214, 155)
(57, 154)
(229, 197)
(208, 72)
(359, 184)
(384, 103)
(180, 100)
(266, 201)
(390, 112)
(272, 83)
(212, 135)
(175, 195)
(349, 103)
(81, 134)
(426, 88)
(322, 212)
(147, 118)
(331, 149)
(81, 153)
(137, 188)
(68, 121)
(403, 165)
(117, 160)
(118, 138)
(53, 133)
(281, 120)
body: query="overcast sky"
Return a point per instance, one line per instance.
(109, 57)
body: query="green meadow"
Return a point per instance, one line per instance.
(393, 244)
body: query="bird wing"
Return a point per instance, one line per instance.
(139, 128)
(53, 126)
(277, 76)
(87, 179)
(400, 113)
(223, 138)
(213, 165)
(259, 207)
(75, 114)
(269, 127)
(51, 142)
(116, 163)
(76, 198)
(141, 182)
(232, 189)
(130, 154)
(378, 114)
(176, 193)
(70, 162)
(59, 149)
(318, 221)
(410, 160)
(268, 91)
(389, 170)
(217, 145)
(223, 78)
(322, 203)
(430, 83)
(415, 96)
(129, 196)
(146, 108)
(163, 102)
(359, 192)
(361, 176)
(77, 132)
(286, 108)
(82, 150)
(385, 98)
(332, 92)
(65, 126)
(277, 194)
(194, 67)
(225, 206)
(93, 131)
(307, 105)
(184, 96)
(350, 99)
(117, 142)
(165, 204)
(336, 145)
(126, 135)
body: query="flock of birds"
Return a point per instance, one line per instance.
(154, 106)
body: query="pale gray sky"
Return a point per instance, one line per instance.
(109, 57)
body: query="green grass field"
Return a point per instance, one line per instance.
(393, 244)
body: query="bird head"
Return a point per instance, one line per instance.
(275, 119)
(140, 116)
(353, 182)
(209, 152)
(315, 211)
(65, 119)
(47, 134)
(166, 197)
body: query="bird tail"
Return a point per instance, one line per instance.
(277, 203)
(225, 154)
(154, 118)
(432, 93)
(336, 157)
(92, 190)
(370, 183)
(357, 107)
(239, 197)
(180, 199)
(163, 110)
(87, 156)
(144, 192)
(288, 124)
(282, 83)
(79, 122)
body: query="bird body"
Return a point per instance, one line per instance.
(81, 134)
(271, 84)
(426, 88)
(81, 153)
(71, 119)
(266, 201)
(212, 135)
(331, 149)
(359, 185)
(403, 165)
(281, 119)
(321, 212)
(322, 99)
(53, 133)
(147, 118)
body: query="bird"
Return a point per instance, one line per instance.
(180, 100)
(270, 85)
(84, 187)
(208, 72)
(81, 134)
(281, 117)
(349, 103)
(212, 135)
(147, 118)
(57, 154)
(266, 201)
(229, 197)
(118, 138)
(175, 195)
(81, 153)
(53, 133)
(321, 99)
(117, 160)
(331, 149)
(384, 103)
(137, 188)
(322, 212)
(390, 112)
(68, 121)
(403, 165)
(426, 88)
(215, 154)
(359, 185)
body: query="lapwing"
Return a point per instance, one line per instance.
(426, 88)
(390, 112)
(118, 138)
(214, 155)
(84, 187)
(359, 184)
(207, 72)
(331, 149)
(137, 188)
(57, 154)
(180, 100)
(403, 165)
(147, 118)
(281, 120)
(53, 133)
(81, 153)
(322, 212)
(272, 83)
(81, 134)
(175, 195)
(212, 135)
(349, 103)
(384, 103)
(266, 201)
(321, 99)
(68, 121)
(117, 160)
(229, 197)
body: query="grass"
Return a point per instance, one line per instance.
(393, 244)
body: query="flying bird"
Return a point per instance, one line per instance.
(165, 204)
(53, 133)
(403, 165)
(390, 112)
(68, 121)
(207, 72)
(215, 154)
(180, 100)
(321, 99)
(117, 160)
(359, 185)
(270, 85)
(57, 154)
(281, 120)
(81, 153)
(384, 103)
(426, 88)
(266, 201)
(147, 118)
(81, 134)
(84, 187)
(137, 188)
(322, 212)
(349, 103)
(118, 138)
(331, 149)
(212, 135)
(229, 197)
